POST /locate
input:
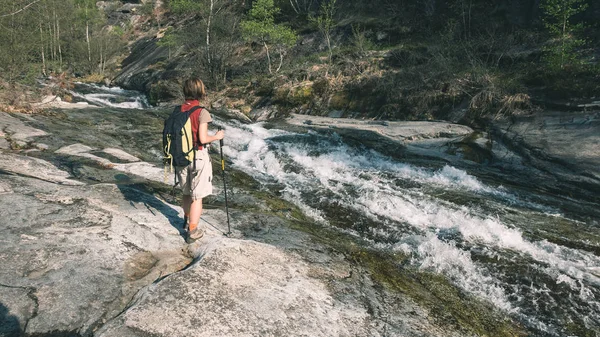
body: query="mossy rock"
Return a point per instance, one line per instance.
(320, 86)
(301, 95)
(264, 87)
(447, 304)
(280, 95)
(293, 97)
(339, 101)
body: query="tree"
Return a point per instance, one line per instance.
(20, 10)
(207, 9)
(90, 16)
(558, 21)
(212, 46)
(302, 6)
(19, 39)
(169, 40)
(261, 27)
(50, 36)
(326, 23)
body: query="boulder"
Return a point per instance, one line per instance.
(395, 131)
(567, 144)
(34, 167)
(14, 127)
(74, 255)
(240, 288)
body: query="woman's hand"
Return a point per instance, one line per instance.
(220, 134)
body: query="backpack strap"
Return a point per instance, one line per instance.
(191, 111)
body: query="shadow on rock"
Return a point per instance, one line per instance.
(139, 194)
(9, 324)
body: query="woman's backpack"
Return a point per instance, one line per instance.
(178, 141)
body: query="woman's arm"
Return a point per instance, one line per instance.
(205, 138)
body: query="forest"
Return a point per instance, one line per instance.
(387, 59)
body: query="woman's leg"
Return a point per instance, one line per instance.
(201, 186)
(186, 203)
(195, 213)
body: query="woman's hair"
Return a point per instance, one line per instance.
(193, 88)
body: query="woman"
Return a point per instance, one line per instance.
(196, 180)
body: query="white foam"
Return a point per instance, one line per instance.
(335, 168)
(456, 264)
(450, 176)
(105, 100)
(108, 96)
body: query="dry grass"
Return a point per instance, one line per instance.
(493, 98)
(93, 78)
(26, 99)
(515, 104)
(17, 98)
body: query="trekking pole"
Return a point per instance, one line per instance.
(224, 185)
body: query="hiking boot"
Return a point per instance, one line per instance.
(194, 235)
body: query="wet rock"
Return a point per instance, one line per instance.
(136, 74)
(94, 259)
(289, 286)
(274, 281)
(262, 114)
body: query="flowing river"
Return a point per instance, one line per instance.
(479, 235)
(533, 254)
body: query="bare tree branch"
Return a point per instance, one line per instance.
(20, 10)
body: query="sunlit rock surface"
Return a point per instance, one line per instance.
(78, 254)
(241, 288)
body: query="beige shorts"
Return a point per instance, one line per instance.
(196, 183)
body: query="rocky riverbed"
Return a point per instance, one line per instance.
(92, 241)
